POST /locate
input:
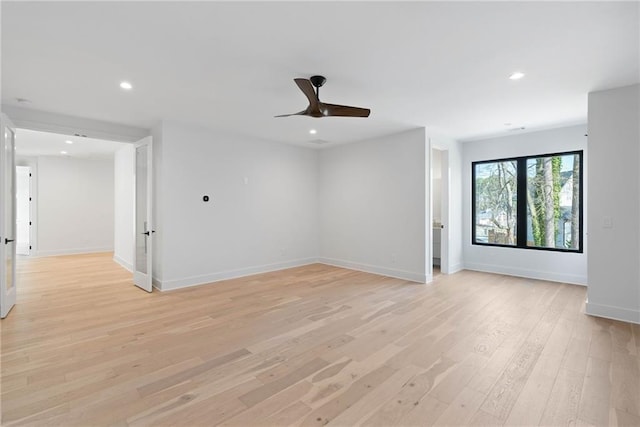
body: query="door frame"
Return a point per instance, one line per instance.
(444, 203)
(445, 178)
(71, 126)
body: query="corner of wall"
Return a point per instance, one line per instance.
(614, 204)
(614, 313)
(374, 202)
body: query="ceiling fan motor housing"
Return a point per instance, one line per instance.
(317, 81)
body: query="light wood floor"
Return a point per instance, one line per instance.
(310, 346)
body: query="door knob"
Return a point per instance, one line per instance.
(8, 240)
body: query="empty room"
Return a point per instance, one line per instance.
(320, 213)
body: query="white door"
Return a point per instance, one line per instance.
(7, 216)
(142, 252)
(23, 210)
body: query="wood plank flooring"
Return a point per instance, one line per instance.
(310, 346)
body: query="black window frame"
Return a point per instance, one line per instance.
(521, 207)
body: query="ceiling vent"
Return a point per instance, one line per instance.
(319, 141)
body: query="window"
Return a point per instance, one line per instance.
(496, 200)
(530, 202)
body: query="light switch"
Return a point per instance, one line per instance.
(607, 222)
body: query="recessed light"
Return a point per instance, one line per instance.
(126, 85)
(69, 141)
(63, 152)
(516, 76)
(313, 131)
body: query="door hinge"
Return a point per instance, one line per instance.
(29, 173)
(29, 222)
(29, 247)
(29, 198)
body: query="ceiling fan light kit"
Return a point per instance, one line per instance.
(319, 109)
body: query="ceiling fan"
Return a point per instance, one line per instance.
(321, 109)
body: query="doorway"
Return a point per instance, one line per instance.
(439, 210)
(76, 196)
(62, 143)
(71, 193)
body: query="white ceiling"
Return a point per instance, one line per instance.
(35, 143)
(444, 65)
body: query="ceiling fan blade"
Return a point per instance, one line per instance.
(343, 110)
(307, 88)
(300, 113)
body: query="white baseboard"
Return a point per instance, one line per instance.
(383, 271)
(169, 285)
(173, 284)
(124, 264)
(79, 251)
(455, 268)
(529, 274)
(611, 312)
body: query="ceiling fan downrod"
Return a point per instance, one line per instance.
(317, 82)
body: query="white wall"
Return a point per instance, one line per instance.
(74, 211)
(373, 199)
(537, 264)
(123, 164)
(614, 193)
(262, 213)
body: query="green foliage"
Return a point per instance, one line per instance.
(556, 163)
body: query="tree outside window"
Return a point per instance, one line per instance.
(496, 200)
